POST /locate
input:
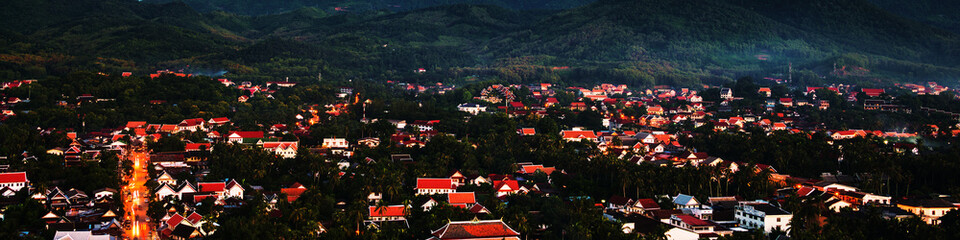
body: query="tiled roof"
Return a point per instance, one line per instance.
(579, 134)
(388, 211)
(247, 134)
(13, 177)
(212, 187)
(693, 221)
(462, 197)
(435, 183)
(475, 229)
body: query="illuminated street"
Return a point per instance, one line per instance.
(136, 202)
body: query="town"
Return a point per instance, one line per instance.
(505, 161)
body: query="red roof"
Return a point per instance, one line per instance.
(873, 92)
(194, 218)
(693, 221)
(174, 220)
(135, 124)
(648, 203)
(196, 146)
(579, 134)
(280, 145)
(388, 211)
(14, 177)
(247, 134)
(462, 197)
(293, 193)
(528, 131)
(516, 104)
(212, 187)
(140, 132)
(490, 229)
(512, 184)
(191, 122)
(436, 183)
(219, 120)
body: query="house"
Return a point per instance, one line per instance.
(506, 187)
(458, 178)
(764, 91)
(471, 108)
(282, 149)
(335, 143)
(244, 136)
(873, 92)
(435, 186)
(644, 205)
(388, 213)
(686, 201)
(726, 93)
(466, 199)
(655, 110)
(762, 215)
(836, 204)
(929, 210)
(218, 121)
(192, 147)
(294, 191)
(527, 131)
(578, 106)
(193, 125)
(370, 142)
(704, 229)
(14, 180)
(619, 203)
(786, 102)
(475, 230)
(165, 178)
(576, 135)
(80, 235)
(233, 189)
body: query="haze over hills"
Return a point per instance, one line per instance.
(639, 42)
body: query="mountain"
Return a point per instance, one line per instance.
(942, 14)
(725, 37)
(643, 42)
(267, 7)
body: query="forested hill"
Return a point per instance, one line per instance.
(642, 42)
(940, 13)
(264, 7)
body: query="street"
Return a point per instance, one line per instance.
(138, 195)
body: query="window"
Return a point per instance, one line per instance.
(778, 219)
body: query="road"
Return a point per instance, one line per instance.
(136, 202)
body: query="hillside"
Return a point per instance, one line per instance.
(267, 7)
(942, 14)
(639, 42)
(738, 36)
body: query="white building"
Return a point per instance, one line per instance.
(472, 108)
(14, 180)
(335, 143)
(726, 93)
(80, 235)
(283, 149)
(762, 215)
